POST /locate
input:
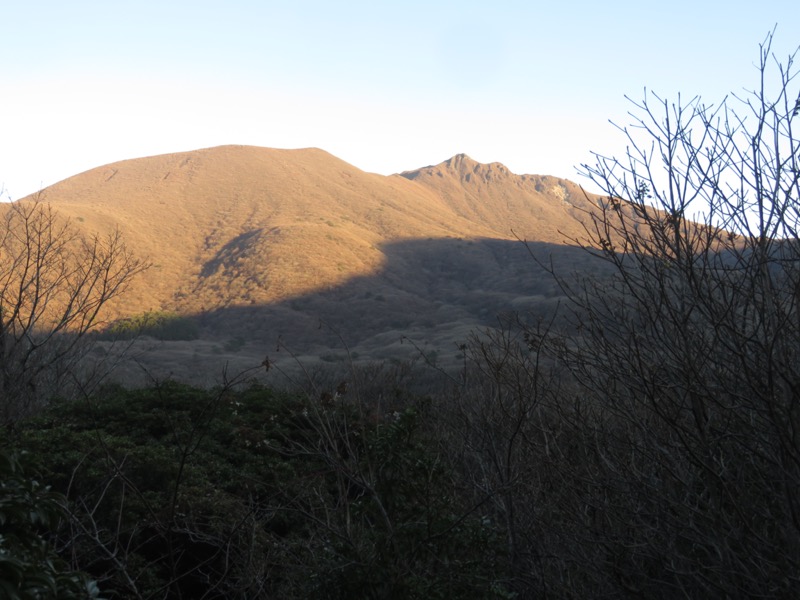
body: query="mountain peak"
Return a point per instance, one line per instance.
(464, 169)
(461, 160)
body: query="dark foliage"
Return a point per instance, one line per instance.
(161, 325)
(30, 568)
(223, 494)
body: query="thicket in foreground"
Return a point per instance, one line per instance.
(30, 568)
(656, 453)
(186, 493)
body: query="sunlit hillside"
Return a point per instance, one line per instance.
(257, 243)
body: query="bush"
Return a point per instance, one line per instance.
(29, 566)
(253, 493)
(165, 326)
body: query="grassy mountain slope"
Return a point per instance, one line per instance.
(259, 242)
(533, 207)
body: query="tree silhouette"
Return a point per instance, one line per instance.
(54, 283)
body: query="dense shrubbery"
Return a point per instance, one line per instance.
(247, 494)
(29, 566)
(162, 325)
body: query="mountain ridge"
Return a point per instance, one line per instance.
(295, 236)
(190, 211)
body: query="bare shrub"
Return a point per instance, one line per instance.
(653, 449)
(54, 284)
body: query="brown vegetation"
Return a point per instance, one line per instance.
(259, 243)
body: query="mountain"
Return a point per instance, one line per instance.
(257, 242)
(534, 207)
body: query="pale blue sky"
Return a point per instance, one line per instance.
(386, 86)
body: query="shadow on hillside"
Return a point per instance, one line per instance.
(425, 285)
(430, 296)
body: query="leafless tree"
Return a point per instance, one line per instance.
(666, 462)
(689, 356)
(54, 283)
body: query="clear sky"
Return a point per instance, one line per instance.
(386, 86)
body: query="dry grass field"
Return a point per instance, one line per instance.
(260, 245)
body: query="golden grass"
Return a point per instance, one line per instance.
(242, 226)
